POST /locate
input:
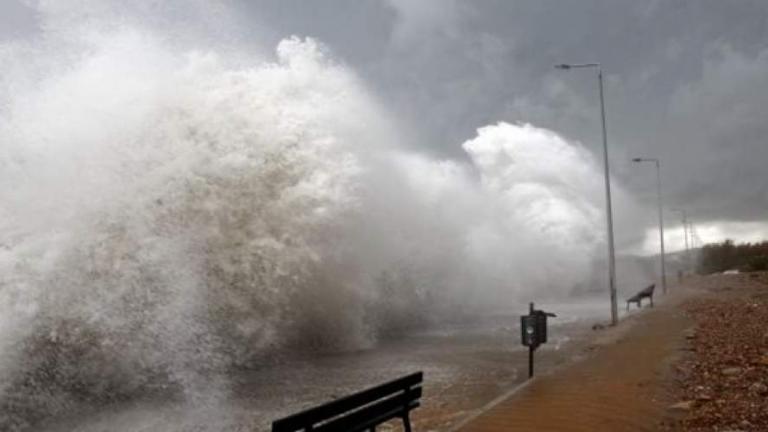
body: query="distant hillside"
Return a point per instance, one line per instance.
(719, 257)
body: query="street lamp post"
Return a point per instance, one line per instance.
(684, 214)
(661, 219)
(608, 207)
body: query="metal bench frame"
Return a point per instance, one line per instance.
(360, 411)
(638, 298)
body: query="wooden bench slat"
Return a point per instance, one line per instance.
(646, 292)
(309, 417)
(372, 415)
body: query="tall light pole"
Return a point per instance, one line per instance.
(684, 214)
(608, 206)
(661, 219)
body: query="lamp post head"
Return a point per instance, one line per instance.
(566, 66)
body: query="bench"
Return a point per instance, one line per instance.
(360, 411)
(638, 298)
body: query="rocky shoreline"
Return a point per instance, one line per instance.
(722, 380)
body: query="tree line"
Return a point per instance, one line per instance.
(719, 257)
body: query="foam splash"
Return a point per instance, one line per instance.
(169, 218)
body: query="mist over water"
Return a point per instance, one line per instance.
(172, 215)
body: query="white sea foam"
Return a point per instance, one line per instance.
(168, 217)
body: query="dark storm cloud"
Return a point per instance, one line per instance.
(687, 80)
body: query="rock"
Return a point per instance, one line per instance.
(598, 326)
(759, 388)
(731, 371)
(682, 406)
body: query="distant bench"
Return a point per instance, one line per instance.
(360, 411)
(638, 298)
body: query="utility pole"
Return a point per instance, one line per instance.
(662, 265)
(684, 214)
(608, 205)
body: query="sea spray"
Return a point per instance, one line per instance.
(168, 218)
(163, 228)
(545, 189)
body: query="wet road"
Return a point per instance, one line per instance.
(622, 387)
(465, 365)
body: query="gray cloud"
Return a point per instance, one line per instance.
(16, 20)
(685, 83)
(686, 80)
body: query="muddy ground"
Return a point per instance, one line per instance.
(697, 362)
(465, 366)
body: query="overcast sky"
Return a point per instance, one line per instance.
(687, 80)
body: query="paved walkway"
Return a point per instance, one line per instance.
(619, 387)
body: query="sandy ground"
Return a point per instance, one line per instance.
(624, 382)
(697, 362)
(624, 378)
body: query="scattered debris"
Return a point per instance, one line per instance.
(759, 388)
(722, 374)
(682, 406)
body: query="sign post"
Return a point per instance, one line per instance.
(533, 331)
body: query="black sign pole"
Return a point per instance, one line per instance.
(533, 332)
(530, 351)
(530, 362)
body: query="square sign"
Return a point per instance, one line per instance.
(528, 327)
(533, 328)
(533, 332)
